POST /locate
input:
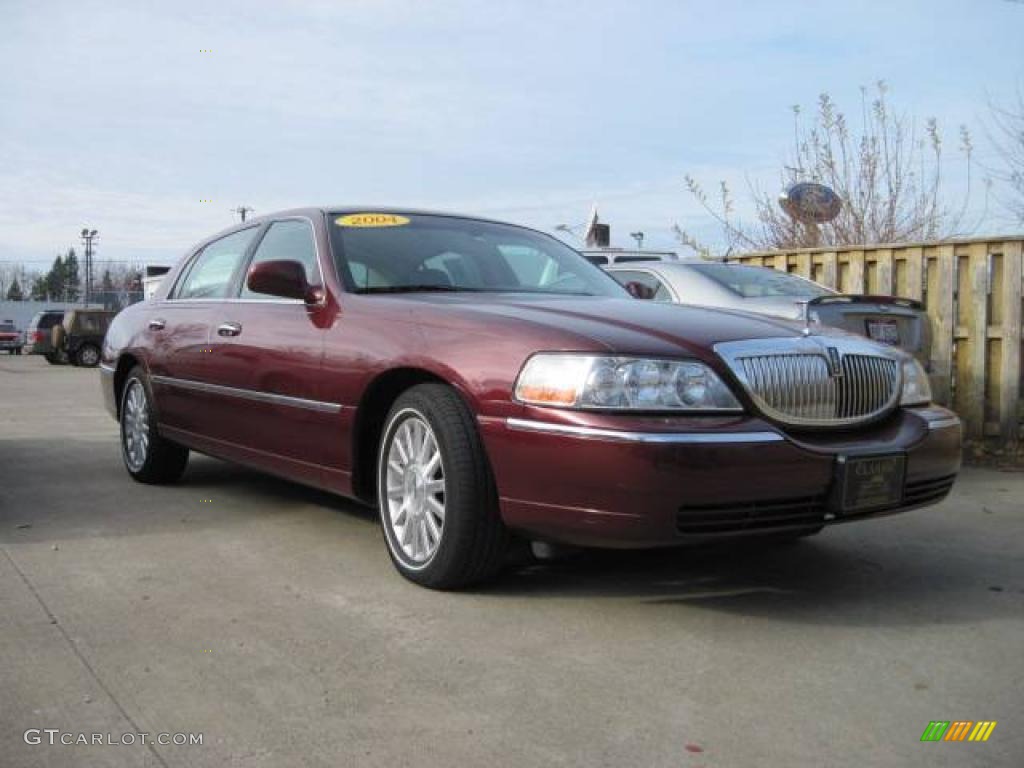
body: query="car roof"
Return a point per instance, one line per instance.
(396, 210)
(310, 212)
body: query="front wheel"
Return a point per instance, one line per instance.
(87, 356)
(438, 503)
(148, 457)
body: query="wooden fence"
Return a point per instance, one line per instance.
(973, 291)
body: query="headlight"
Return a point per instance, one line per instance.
(622, 383)
(916, 389)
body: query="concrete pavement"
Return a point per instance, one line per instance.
(268, 618)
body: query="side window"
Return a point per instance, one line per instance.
(291, 241)
(661, 292)
(211, 272)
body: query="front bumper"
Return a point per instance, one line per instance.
(584, 479)
(10, 344)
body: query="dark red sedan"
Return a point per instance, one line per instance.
(477, 381)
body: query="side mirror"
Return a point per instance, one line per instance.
(639, 290)
(283, 278)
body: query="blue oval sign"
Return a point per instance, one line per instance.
(810, 202)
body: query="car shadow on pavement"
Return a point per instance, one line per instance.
(78, 488)
(856, 578)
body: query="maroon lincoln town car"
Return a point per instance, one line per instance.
(478, 380)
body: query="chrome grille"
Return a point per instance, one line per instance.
(795, 381)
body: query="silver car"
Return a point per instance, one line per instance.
(887, 319)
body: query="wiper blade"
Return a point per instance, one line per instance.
(424, 288)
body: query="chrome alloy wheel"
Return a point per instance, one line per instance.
(135, 426)
(415, 489)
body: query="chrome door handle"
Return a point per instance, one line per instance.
(229, 329)
(156, 324)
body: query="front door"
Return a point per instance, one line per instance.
(265, 363)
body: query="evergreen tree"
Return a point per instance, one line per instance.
(72, 280)
(14, 292)
(55, 280)
(39, 288)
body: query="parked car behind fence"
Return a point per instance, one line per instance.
(889, 320)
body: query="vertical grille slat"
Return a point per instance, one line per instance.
(799, 387)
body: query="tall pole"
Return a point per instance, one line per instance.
(242, 210)
(88, 235)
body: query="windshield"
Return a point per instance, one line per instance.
(759, 282)
(391, 253)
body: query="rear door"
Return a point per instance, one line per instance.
(178, 332)
(265, 361)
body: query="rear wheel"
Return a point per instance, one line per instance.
(87, 356)
(438, 504)
(54, 359)
(148, 457)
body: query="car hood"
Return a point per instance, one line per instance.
(625, 326)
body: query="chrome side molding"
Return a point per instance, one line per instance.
(249, 394)
(706, 438)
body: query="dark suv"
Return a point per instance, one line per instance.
(37, 337)
(80, 337)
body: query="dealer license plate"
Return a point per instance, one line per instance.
(871, 482)
(884, 332)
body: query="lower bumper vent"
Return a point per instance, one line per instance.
(807, 511)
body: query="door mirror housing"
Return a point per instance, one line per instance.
(639, 290)
(284, 278)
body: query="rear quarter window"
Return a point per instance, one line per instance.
(46, 321)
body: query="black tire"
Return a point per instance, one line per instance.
(87, 356)
(161, 461)
(473, 539)
(53, 358)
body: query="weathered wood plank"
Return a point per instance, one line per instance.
(830, 266)
(856, 273)
(883, 272)
(972, 353)
(1010, 289)
(940, 309)
(803, 265)
(915, 273)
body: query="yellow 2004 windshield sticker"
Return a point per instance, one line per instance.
(371, 220)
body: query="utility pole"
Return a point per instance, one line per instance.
(242, 210)
(88, 235)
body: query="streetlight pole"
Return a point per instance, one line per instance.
(242, 210)
(88, 235)
(639, 237)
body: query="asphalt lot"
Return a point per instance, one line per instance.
(267, 617)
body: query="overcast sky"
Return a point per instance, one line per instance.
(112, 117)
